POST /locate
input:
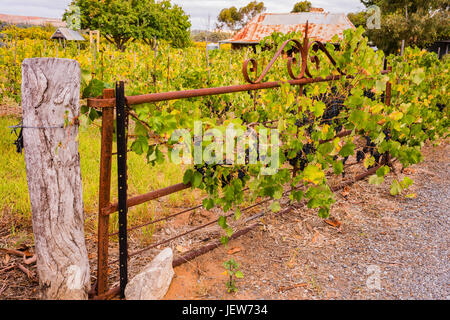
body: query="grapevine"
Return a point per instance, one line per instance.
(310, 120)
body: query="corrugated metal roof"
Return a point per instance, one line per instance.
(322, 26)
(67, 34)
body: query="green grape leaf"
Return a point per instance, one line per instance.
(376, 180)
(275, 206)
(418, 75)
(369, 161)
(396, 188)
(223, 222)
(208, 203)
(197, 179)
(347, 150)
(187, 176)
(313, 174)
(338, 167)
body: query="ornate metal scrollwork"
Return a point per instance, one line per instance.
(301, 63)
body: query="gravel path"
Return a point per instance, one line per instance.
(423, 245)
(412, 260)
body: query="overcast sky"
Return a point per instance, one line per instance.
(199, 10)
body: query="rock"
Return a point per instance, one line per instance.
(154, 281)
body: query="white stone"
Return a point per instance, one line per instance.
(154, 281)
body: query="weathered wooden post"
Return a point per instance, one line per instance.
(50, 102)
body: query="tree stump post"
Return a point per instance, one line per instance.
(50, 103)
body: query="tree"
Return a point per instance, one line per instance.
(124, 20)
(162, 21)
(250, 11)
(211, 36)
(418, 22)
(235, 19)
(302, 6)
(229, 17)
(358, 18)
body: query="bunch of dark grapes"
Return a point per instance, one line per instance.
(309, 129)
(308, 149)
(369, 94)
(440, 106)
(343, 162)
(334, 106)
(200, 169)
(331, 112)
(369, 145)
(216, 107)
(255, 147)
(204, 170)
(377, 157)
(247, 155)
(241, 174)
(300, 123)
(387, 133)
(371, 148)
(300, 161)
(242, 118)
(360, 155)
(300, 158)
(226, 178)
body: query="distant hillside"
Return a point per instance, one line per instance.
(36, 21)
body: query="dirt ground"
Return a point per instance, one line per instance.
(386, 247)
(382, 247)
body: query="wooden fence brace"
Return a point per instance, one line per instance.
(122, 184)
(104, 193)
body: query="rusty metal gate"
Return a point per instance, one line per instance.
(116, 100)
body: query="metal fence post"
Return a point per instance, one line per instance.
(122, 184)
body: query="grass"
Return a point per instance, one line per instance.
(142, 178)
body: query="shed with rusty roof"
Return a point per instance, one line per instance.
(67, 34)
(322, 26)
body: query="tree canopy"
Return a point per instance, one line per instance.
(302, 6)
(418, 22)
(358, 18)
(211, 36)
(235, 18)
(121, 21)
